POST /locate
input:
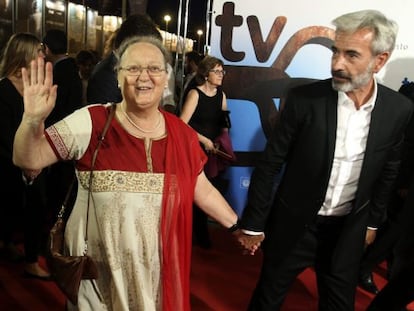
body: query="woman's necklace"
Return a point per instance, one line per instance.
(157, 126)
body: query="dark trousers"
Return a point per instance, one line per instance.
(35, 218)
(384, 243)
(399, 291)
(336, 287)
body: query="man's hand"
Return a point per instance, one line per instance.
(370, 237)
(251, 243)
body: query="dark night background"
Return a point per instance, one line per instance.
(157, 9)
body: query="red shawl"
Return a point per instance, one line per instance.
(184, 162)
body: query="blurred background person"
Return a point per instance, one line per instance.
(399, 290)
(22, 204)
(390, 232)
(191, 61)
(65, 75)
(85, 61)
(69, 98)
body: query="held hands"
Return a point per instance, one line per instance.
(39, 93)
(251, 243)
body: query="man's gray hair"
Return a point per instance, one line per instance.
(385, 30)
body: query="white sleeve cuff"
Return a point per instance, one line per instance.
(249, 232)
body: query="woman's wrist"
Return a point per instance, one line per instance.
(234, 227)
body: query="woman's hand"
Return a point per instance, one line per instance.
(39, 93)
(208, 145)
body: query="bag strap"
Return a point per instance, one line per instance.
(67, 196)
(101, 138)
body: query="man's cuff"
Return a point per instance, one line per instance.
(249, 232)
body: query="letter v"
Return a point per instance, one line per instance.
(263, 49)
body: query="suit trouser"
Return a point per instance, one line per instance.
(336, 287)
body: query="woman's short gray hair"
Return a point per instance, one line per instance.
(385, 30)
(139, 39)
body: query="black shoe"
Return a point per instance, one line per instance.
(367, 283)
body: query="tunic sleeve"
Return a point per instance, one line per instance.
(70, 137)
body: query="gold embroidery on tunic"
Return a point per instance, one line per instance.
(115, 181)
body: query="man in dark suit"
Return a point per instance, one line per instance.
(399, 291)
(339, 142)
(65, 76)
(390, 232)
(69, 98)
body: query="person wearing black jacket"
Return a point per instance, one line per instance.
(390, 232)
(399, 291)
(339, 142)
(69, 99)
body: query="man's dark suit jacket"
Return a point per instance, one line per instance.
(103, 83)
(69, 92)
(304, 142)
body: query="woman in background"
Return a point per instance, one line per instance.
(20, 201)
(205, 110)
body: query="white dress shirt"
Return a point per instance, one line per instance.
(351, 139)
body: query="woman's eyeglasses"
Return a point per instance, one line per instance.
(219, 72)
(153, 71)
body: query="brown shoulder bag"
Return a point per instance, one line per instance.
(68, 271)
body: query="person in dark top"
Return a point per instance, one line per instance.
(191, 61)
(204, 110)
(65, 76)
(85, 61)
(23, 205)
(389, 233)
(69, 99)
(399, 291)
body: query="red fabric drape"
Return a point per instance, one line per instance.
(184, 161)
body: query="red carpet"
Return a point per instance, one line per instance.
(222, 279)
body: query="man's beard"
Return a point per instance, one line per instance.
(352, 83)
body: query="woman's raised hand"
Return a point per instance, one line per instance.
(39, 93)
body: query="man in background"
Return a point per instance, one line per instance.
(69, 98)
